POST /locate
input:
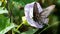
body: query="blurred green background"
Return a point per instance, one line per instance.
(13, 21)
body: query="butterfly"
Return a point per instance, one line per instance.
(37, 16)
(41, 17)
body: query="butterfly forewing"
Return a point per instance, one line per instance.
(36, 15)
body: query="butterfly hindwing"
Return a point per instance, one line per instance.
(47, 11)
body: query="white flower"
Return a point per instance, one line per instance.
(29, 14)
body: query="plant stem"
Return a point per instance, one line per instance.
(19, 26)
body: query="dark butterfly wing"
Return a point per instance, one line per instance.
(36, 15)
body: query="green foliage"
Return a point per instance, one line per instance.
(30, 31)
(2, 10)
(5, 24)
(16, 8)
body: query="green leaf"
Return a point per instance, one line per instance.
(5, 24)
(7, 28)
(3, 10)
(30, 31)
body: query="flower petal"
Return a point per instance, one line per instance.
(29, 14)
